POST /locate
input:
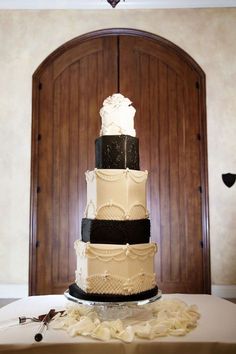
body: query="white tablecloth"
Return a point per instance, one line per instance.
(215, 333)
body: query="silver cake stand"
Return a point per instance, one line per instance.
(114, 310)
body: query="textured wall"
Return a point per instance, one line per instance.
(27, 37)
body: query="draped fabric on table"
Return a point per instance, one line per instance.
(215, 333)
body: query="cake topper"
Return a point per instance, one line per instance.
(117, 114)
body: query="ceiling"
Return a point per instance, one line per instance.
(103, 4)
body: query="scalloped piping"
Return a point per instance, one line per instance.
(118, 253)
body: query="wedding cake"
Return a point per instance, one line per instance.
(115, 260)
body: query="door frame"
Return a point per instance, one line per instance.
(35, 138)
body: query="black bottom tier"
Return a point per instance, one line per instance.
(75, 291)
(115, 231)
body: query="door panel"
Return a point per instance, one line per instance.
(72, 90)
(167, 122)
(167, 90)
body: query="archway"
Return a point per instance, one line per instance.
(167, 88)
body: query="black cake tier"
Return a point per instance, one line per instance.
(75, 291)
(115, 231)
(117, 152)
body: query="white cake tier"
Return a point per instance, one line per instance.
(115, 269)
(117, 116)
(116, 194)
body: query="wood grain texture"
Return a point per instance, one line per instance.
(166, 96)
(72, 91)
(161, 80)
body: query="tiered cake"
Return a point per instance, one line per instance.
(115, 261)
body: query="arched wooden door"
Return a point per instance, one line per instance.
(168, 90)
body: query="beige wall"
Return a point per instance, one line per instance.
(28, 37)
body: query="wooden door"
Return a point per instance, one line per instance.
(168, 93)
(69, 94)
(166, 90)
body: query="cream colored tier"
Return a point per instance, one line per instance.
(116, 194)
(115, 269)
(117, 116)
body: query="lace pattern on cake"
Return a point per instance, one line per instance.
(116, 194)
(112, 211)
(107, 283)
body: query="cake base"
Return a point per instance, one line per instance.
(75, 291)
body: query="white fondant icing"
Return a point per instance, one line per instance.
(115, 269)
(108, 252)
(117, 116)
(116, 194)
